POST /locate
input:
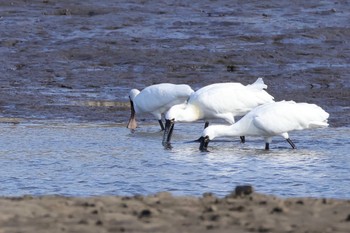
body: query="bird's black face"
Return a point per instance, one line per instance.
(132, 124)
(132, 105)
(204, 141)
(168, 131)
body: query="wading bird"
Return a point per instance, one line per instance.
(217, 101)
(268, 120)
(156, 100)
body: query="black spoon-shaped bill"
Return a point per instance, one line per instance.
(168, 131)
(204, 141)
(132, 124)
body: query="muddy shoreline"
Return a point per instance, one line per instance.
(162, 212)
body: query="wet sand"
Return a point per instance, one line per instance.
(162, 212)
(77, 60)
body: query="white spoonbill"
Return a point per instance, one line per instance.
(156, 100)
(268, 120)
(217, 101)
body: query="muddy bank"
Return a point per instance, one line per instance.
(237, 212)
(63, 60)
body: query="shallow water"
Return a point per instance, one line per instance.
(107, 159)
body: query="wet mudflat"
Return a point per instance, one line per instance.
(57, 56)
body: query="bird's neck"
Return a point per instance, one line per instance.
(136, 107)
(133, 100)
(236, 129)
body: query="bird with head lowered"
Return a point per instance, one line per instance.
(217, 101)
(268, 120)
(156, 100)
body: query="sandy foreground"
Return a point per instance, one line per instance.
(162, 212)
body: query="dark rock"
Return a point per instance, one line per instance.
(300, 202)
(277, 210)
(145, 213)
(244, 190)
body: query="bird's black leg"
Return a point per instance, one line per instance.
(242, 139)
(291, 143)
(267, 146)
(161, 125)
(168, 131)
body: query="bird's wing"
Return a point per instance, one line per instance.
(276, 119)
(234, 99)
(287, 116)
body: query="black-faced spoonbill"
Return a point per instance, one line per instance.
(269, 120)
(217, 101)
(156, 100)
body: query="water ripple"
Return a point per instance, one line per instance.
(89, 160)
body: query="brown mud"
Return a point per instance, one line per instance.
(77, 60)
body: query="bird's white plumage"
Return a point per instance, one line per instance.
(271, 119)
(287, 116)
(221, 101)
(157, 99)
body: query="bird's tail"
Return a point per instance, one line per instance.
(259, 84)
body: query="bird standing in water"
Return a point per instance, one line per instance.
(268, 120)
(156, 100)
(217, 101)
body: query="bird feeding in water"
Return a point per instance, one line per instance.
(156, 100)
(268, 120)
(217, 101)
